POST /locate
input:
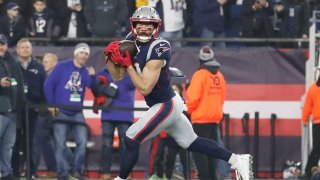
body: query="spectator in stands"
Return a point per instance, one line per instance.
(12, 97)
(12, 24)
(49, 61)
(233, 19)
(70, 17)
(121, 95)
(25, 7)
(172, 13)
(257, 19)
(43, 135)
(294, 16)
(105, 18)
(33, 79)
(311, 107)
(209, 20)
(66, 86)
(42, 22)
(207, 90)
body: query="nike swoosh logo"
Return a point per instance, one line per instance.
(162, 44)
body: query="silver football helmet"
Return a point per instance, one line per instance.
(145, 14)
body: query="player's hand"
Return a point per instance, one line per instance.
(125, 61)
(112, 47)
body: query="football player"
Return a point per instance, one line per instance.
(149, 72)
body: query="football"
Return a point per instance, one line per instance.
(127, 45)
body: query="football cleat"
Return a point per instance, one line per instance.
(243, 167)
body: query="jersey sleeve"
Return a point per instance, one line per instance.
(159, 49)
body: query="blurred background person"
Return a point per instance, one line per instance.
(294, 16)
(43, 135)
(105, 18)
(12, 24)
(121, 94)
(257, 21)
(42, 22)
(12, 100)
(33, 79)
(207, 90)
(209, 20)
(66, 86)
(49, 61)
(69, 15)
(173, 14)
(311, 107)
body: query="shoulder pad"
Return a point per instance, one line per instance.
(159, 49)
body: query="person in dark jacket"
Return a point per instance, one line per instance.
(209, 20)
(12, 25)
(70, 17)
(11, 95)
(34, 76)
(294, 16)
(105, 18)
(256, 19)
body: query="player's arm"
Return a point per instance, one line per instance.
(148, 78)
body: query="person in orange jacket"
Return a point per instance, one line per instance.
(205, 99)
(312, 107)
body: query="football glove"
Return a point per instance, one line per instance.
(125, 61)
(100, 99)
(114, 45)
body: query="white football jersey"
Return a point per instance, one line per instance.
(172, 12)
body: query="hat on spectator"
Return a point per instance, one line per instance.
(12, 5)
(206, 57)
(81, 47)
(3, 39)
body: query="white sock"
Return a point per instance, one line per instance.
(233, 159)
(118, 178)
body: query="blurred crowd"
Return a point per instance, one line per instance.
(181, 18)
